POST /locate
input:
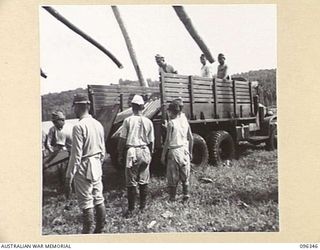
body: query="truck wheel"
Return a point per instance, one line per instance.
(272, 142)
(221, 146)
(200, 151)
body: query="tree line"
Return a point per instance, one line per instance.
(63, 100)
(267, 88)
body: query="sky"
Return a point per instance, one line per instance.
(246, 34)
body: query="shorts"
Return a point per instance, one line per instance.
(178, 166)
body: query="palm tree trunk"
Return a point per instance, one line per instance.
(71, 26)
(185, 19)
(129, 46)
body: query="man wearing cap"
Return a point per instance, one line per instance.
(85, 166)
(205, 69)
(163, 66)
(181, 114)
(136, 146)
(59, 138)
(177, 152)
(222, 72)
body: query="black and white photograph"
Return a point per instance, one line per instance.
(158, 119)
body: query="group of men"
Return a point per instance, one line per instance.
(86, 145)
(206, 70)
(135, 147)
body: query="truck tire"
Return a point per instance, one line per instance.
(272, 142)
(220, 146)
(199, 152)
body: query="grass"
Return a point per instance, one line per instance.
(243, 196)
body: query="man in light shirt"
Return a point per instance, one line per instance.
(85, 166)
(136, 146)
(59, 138)
(60, 135)
(177, 152)
(206, 70)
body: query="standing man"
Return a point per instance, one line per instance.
(177, 152)
(222, 68)
(205, 69)
(181, 114)
(85, 166)
(163, 66)
(136, 145)
(59, 138)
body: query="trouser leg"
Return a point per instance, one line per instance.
(88, 221)
(185, 190)
(131, 193)
(143, 195)
(131, 198)
(100, 217)
(172, 193)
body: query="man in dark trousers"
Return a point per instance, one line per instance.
(85, 166)
(136, 146)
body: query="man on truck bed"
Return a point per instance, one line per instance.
(205, 69)
(85, 166)
(163, 66)
(222, 72)
(137, 136)
(177, 152)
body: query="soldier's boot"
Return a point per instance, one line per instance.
(143, 196)
(185, 191)
(88, 221)
(172, 193)
(131, 193)
(100, 218)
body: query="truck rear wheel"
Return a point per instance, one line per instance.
(220, 146)
(200, 151)
(272, 142)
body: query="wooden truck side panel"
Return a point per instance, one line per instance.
(207, 98)
(105, 95)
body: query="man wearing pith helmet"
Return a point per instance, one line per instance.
(135, 150)
(85, 166)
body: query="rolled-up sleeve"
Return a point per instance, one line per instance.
(76, 151)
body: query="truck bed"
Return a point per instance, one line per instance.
(207, 98)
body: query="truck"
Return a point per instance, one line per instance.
(221, 113)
